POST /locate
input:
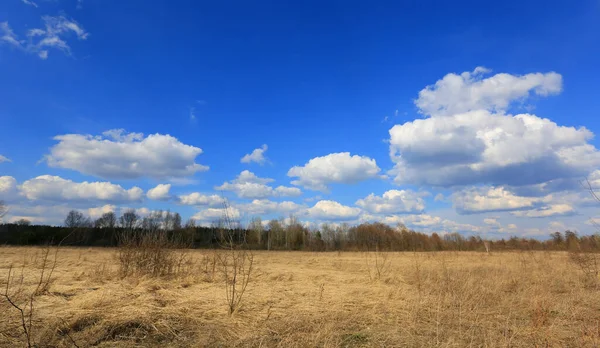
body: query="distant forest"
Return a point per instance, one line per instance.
(79, 230)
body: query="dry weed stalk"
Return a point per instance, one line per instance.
(235, 262)
(589, 264)
(24, 303)
(154, 254)
(378, 263)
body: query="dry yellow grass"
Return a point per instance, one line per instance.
(303, 299)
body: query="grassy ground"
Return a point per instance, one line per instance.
(302, 299)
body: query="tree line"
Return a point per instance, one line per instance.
(282, 234)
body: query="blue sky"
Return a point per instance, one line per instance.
(419, 104)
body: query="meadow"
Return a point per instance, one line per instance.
(301, 299)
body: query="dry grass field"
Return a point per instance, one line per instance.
(304, 299)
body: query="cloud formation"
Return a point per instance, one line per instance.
(197, 198)
(547, 211)
(4, 159)
(54, 188)
(393, 202)
(160, 192)
(467, 138)
(332, 210)
(248, 185)
(256, 156)
(8, 187)
(456, 94)
(56, 31)
(490, 199)
(260, 207)
(341, 167)
(120, 155)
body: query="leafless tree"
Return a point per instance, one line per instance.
(76, 219)
(23, 222)
(235, 262)
(129, 220)
(3, 210)
(107, 220)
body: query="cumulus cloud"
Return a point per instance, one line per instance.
(547, 211)
(248, 185)
(214, 215)
(160, 192)
(331, 210)
(39, 214)
(286, 191)
(265, 207)
(334, 168)
(256, 156)
(467, 138)
(97, 212)
(8, 188)
(423, 223)
(455, 94)
(120, 155)
(197, 198)
(393, 202)
(490, 199)
(54, 188)
(481, 147)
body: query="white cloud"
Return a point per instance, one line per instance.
(197, 198)
(547, 211)
(439, 197)
(30, 3)
(423, 223)
(8, 36)
(334, 168)
(265, 207)
(4, 159)
(455, 94)
(214, 215)
(257, 156)
(467, 138)
(54, 188)
(490, 199)
(192, 114)
(39, 214)
(480, 147)
(160, 192)
(56, 30)
(248, 185)
(393, 202)
(120, 155)
(8, 188)
(331, 210)
(97, 212)
(286, 191)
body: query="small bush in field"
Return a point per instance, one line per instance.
(155, 254)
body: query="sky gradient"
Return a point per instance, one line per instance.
(460, 117)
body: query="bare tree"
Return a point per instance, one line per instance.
(107, 220)
(3, 210)
(129, 220)
(23, 222)
(275, 229)
(256, 228)
(76, 219)
(236, 262)
(176, 221)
